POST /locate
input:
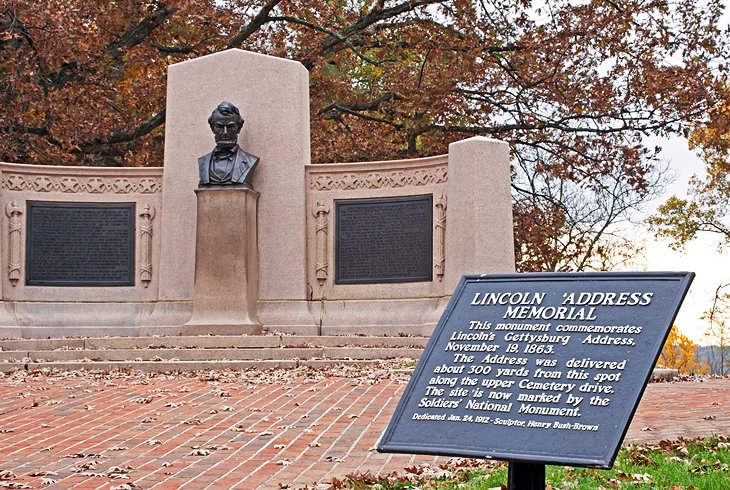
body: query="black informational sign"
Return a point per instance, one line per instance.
(537, 368)
(80, 244)
(384, 240)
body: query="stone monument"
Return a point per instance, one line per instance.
(225, 296)
(368, 248)
(273, 96)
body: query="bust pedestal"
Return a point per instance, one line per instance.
(225, 293)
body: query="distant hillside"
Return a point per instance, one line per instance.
(711, 355)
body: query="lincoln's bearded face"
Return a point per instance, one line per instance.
(226, 122)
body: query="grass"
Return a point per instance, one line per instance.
(702, 464)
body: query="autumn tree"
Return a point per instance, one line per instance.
(574, 87)
(707, 207)
(718, 331)
(680, 353)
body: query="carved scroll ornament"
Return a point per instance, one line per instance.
(145, 244)
(321, 213)
(15, 227)
(440, 226)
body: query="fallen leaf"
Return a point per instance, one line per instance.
(12, 484)
(87, 465)
(44, 473)
(7, 475)
(126, 486)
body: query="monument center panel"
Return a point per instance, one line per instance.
(80, 244)
(384, 240)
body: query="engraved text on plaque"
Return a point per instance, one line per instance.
(80, 244)
(384, 240)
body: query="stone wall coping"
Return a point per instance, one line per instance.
(81, 170)
(389, 164)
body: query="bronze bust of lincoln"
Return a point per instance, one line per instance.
(227, 164)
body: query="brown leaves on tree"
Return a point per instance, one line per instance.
(574, 88)
(85, 85)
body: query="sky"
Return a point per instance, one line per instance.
(700, 256)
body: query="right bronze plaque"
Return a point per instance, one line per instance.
(384, 240)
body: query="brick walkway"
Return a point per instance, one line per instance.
(247, 431)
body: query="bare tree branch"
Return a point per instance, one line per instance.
(138, 32)
(259, 19)
(126, 136)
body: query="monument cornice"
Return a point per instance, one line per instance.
(378, 175)
(78, 180)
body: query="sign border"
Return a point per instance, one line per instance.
(384, 445)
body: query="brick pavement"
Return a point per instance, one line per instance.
(247, 430)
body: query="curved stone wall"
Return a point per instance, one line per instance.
(51, 306)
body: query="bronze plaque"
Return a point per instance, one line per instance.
(80, 244)
(384, 240)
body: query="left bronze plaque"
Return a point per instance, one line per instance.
(79, 244)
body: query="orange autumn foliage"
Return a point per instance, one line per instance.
(680, 353)
(574, 87)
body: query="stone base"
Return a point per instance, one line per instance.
(58, 332)
(377, 317)
(391, 318)
(290, 317)
(30, 314)
(221, 329)
(384, 317)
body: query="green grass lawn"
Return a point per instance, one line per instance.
(677, 465)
